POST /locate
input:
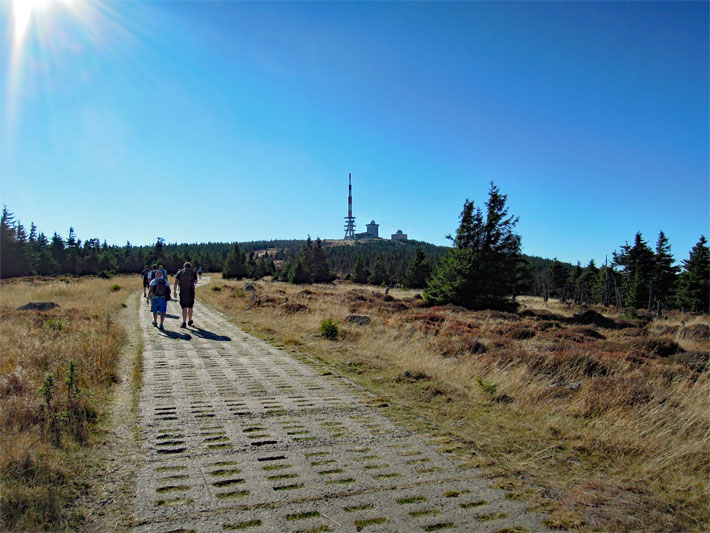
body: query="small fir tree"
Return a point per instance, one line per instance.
(234, 264)
(693, 292)
(418, 270)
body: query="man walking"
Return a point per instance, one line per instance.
(159, 291)
(186, 279)
(146, 280)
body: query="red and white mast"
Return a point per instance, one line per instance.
(350, 219)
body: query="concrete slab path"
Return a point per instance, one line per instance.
(239, 435)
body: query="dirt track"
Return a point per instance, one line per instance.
(240, 435)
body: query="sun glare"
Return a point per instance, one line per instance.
(23, 11)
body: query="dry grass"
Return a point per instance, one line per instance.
(44, 430)
(606, 428)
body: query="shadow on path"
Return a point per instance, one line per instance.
(204, 334)
(168, 315)
(176, 335)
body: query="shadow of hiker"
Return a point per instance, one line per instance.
(168, 315)
(204, 334)
(176, 335)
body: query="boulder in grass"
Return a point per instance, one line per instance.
(37, 306)
(361, 320)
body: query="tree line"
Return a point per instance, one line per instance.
(483, 268)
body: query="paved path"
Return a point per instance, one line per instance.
(239, 435)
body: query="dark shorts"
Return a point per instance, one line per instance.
(146, 282)
(187, 299)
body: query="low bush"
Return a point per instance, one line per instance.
(329, 329)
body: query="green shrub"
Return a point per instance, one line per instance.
(215, 288)
(329, 329)
(115, 287)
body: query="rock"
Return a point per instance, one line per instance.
(572, 386)
(249, 288)
(38, 306)
(361, 320)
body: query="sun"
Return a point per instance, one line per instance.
(23, 11)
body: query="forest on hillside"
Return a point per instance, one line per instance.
(637, 277)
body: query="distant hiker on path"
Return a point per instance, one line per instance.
(159, 292)
(151, 277)
(146, 280)
(199, 272)
(165, 272)
(186, 279)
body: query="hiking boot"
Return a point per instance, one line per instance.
(155, 323)
(161, 327)
(190, 323)
(183, 325)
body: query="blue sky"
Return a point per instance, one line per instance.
(224, 121)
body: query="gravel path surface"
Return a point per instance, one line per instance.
(239, 435)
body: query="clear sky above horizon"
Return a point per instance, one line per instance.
(229, 121)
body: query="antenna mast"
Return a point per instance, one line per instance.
(350, 219)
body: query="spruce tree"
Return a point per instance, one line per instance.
(664, 275)
(559, 280)
(483, 267)
(585, 284)
(418, 270)
(693, 292)
(636, 263)
(234, 264)
(320, 270)
(298, 273)
(8, 245)
(359, 273)
(378, 273)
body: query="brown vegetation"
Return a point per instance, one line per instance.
(55, 369)
(598, 419)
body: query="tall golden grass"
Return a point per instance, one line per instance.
(606, 428)
(43, 427)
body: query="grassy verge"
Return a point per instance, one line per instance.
(601, 421)
(56, 368)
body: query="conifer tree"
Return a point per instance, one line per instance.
(8, 245)
(482, 269)
(664, 274)
(299, 273)
(559, 280)
(359, 273)
(378, 273)
(636, 263)
(418, 270)
(694, 284)
(234, 264)
(320, 270)
(585, 283)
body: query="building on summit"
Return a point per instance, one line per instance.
(371, 233)
(399, 236)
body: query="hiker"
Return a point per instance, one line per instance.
(151, 277)
(199, 272)
(165, 272)
(186, 279)
(159, 292)
(146, 279)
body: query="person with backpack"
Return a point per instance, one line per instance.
(146, 280)
(186, 279)
(159, 292)
(151, 277)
